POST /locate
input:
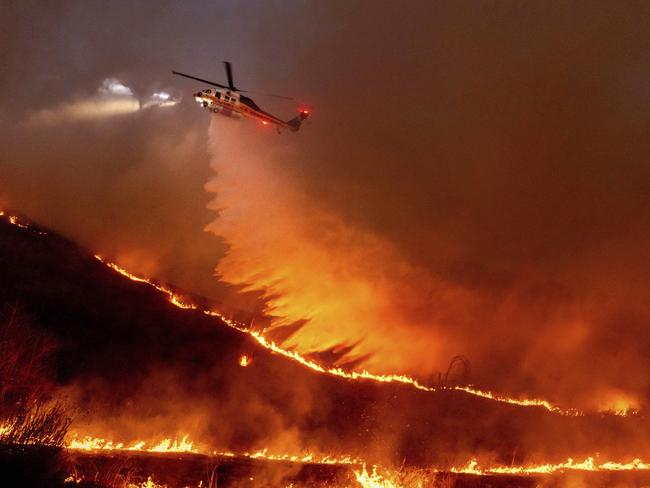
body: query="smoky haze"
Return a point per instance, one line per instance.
(500, 150)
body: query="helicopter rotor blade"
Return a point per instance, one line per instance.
(231, 87)
(199, 79)
(229, 75)
(265, 94)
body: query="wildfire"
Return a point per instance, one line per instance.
(380, 477)
(150, 483)
(373, 479)
(166, 445)
(14, 220)
(364, 477)
(589, 464)
(302, 458)
(530, 402)
(88, 443)
(370, 479)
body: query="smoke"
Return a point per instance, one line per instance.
(350, 296)
(330, 285)
(113, 98)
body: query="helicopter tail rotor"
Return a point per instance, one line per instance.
(294, 123)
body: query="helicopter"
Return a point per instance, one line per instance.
(229, 101)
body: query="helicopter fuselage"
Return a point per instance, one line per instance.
(228, 101)
(232, 104)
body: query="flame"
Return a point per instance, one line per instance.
(380, 477)
(589, 464)
(14, 220)
(308, 458)
(524, 402)
(616, 402)
(88, 443)
(167, 445)
(244, 361)
(150, 483)
(373, 480)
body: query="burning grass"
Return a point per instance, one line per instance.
(191, 470)
(41, 424)
(88, 443)
(377, 476)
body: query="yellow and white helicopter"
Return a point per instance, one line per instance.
(229, 101)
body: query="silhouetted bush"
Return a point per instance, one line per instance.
(32, 427)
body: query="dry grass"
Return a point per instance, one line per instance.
(42, 424)
(32, 428)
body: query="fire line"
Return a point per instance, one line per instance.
(184, 445)
(378, 477)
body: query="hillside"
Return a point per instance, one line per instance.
(134, 366)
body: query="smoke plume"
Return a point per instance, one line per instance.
(332, 287)
(350, 296)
